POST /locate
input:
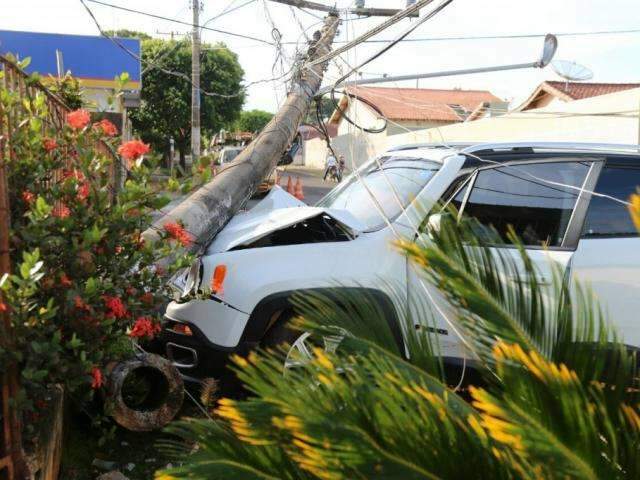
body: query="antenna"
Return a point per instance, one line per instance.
(571, 71)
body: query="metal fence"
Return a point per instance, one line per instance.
(15, 80)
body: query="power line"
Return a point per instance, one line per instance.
(226, 11)
(168, 19)
(499, 37)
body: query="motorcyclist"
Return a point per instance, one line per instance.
(330, 163)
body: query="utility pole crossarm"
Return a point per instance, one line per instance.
(365, 12)
(209, 208)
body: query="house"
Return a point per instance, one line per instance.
(94, 60)
(411, 108)
(550, 93)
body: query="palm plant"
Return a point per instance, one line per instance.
(559, 395)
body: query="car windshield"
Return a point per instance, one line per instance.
(398, 178)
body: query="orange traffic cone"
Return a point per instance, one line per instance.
(290, 186)
(298, 193)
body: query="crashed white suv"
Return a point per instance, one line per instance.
(282, 246)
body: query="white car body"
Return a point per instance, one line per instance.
(257, 273)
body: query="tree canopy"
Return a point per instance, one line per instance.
(252, 120)
(165, 110)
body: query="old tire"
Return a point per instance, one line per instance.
(163, 400)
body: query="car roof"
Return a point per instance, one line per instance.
(469, 147)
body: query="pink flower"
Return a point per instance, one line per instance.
(96, 378)
(61, 211)
(78, 119)
(49, 144)
(132, 150)
(115, 307)
(83, 192)
(28, 197)
(144, 327)
(177, 232)
(108, 128)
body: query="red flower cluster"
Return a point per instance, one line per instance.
(144, 327)
(108, 128)
(147, 298)
(28, 197)
(49, 144)
(61, 211)
(75, 174)
(132, 150)
(78, 119)
(177, 232)
(83, 192)
(96, 378)
(115, 307)
(3, 307)
(65, 281)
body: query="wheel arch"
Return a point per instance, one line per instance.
(261, 318)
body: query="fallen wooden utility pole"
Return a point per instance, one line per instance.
(209, 208)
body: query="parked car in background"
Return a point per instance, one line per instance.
(282, 247)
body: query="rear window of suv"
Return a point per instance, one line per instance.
(608, 215)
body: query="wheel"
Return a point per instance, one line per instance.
(301, 344)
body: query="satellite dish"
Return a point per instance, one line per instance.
(571, 71)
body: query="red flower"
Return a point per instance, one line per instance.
(65, 281)
(131, 291)
(177, 232)
(76, 174)
(132, 150)
(115, 307)
(118, 249)
(61, 211)
(108, 128)
(144, 327)
(83, 192)
(3, 307)
(147, 298)
(49, 144)
(96, 376)
(28, 197)
(78, 119)
(79, 303)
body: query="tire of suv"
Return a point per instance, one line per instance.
(280, 332)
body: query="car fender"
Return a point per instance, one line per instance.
(261, 318)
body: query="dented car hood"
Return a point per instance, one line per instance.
(278, 210)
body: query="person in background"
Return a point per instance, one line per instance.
(329, 163)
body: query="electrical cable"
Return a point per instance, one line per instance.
(168, 19)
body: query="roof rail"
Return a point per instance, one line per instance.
(414, 146)
(541, 146)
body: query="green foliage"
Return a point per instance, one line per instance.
(68, 89)
(559, 396)
(82, 275)
(125, 33)
(166, 98)
(252, 120)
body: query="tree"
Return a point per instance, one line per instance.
(252, 120)
(124, 33)
(165, 110)
(558, 396)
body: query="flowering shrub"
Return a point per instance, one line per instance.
(84, 282)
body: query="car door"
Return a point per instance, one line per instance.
(608, 253)
(542, 200)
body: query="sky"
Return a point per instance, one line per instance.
(612, 58)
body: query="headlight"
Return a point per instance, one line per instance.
(193, 278)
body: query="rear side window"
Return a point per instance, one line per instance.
(607, 217)
(537, 200)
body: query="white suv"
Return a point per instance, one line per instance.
(282, 246)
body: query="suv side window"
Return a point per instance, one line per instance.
(606, 217)
(536, 199)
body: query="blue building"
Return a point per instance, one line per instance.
(94, 60)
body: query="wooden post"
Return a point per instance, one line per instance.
(208, 209)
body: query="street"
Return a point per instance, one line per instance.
(314, 187)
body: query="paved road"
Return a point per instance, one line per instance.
(314, 187)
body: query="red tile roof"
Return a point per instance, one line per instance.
(581, 90)
(419, 104)
(547, 91)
